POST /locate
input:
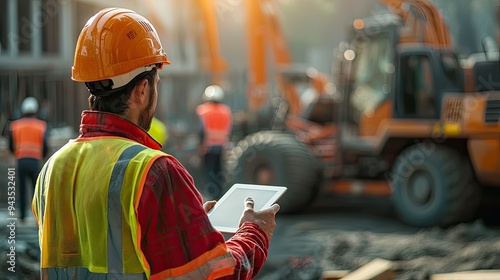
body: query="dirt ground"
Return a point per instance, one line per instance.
(346, 233)
(335, 233)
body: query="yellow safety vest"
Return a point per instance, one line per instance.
(158, 131)
(85, 203)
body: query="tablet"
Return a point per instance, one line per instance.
(225, 215)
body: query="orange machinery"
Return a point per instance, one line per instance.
(213, 61)
(263, 32)
(203, 14)
(426, 120)
(423, 23)
(263, 29)
(413, 122)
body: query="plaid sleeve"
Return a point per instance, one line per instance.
(175, 228)
(249, 247)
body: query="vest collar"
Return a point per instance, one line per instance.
(95, 123)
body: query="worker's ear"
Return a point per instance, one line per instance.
(140, 92)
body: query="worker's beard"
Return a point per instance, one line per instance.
(146, 115)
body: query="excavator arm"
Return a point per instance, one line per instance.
(210, 34)
(263, 29)
(204, 16)
(423, 22)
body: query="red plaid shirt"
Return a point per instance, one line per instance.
(175, 228)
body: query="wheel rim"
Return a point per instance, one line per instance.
(421, 188)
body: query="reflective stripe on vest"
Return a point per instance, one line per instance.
(216, 119)
(28, 135)
(115, 257)
(76, 202)
(58, 273)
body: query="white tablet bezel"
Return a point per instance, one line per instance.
(224, 199)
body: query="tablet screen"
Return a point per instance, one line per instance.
(226, 214)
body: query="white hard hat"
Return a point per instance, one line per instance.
(29, 105)
(213, 93)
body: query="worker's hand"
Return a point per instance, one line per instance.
(265, 219)
(209, 205)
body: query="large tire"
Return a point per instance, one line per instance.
(276, 158)
(433, 186)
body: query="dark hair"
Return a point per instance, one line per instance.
(118, 101)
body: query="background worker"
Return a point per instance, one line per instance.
(110, 204)
(216, 121)
(28, 142)
(158, 131)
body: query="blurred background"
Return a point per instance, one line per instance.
(208, 42)
(37, 43)
(38, 37)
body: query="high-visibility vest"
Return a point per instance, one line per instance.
(85, 203)
(28, 136)
(216, 119)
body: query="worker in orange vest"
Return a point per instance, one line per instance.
(28, 142)
(216, 122)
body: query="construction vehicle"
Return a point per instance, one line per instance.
(413, 120)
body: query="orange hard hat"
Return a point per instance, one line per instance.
(116, 44)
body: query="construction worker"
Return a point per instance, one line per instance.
(28, 142)
(216, 122)
(110, 204)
